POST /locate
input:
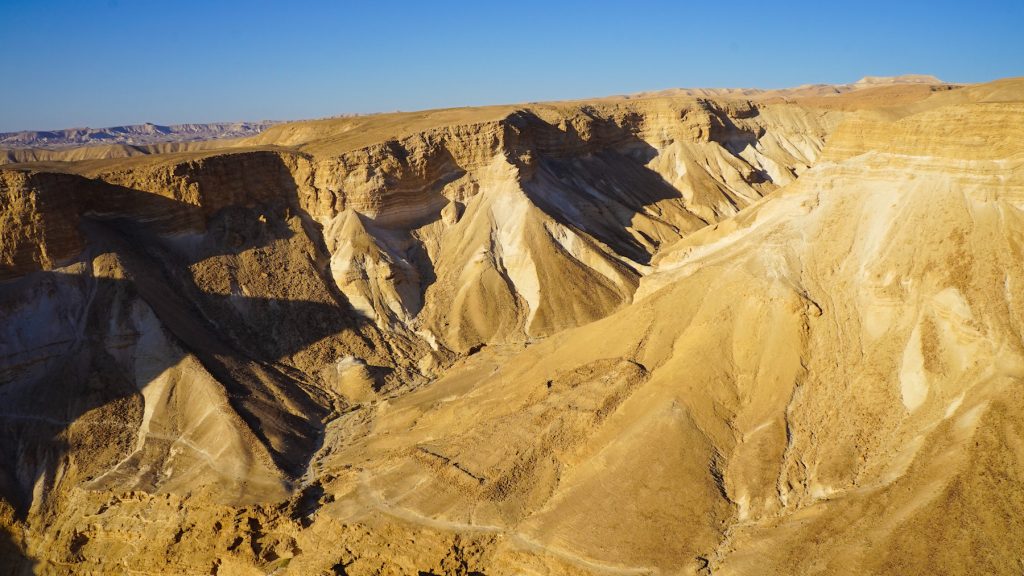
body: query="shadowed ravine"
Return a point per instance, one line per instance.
(278, 405)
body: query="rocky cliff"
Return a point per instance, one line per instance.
(462, 216)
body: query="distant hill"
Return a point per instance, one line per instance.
(132, 134)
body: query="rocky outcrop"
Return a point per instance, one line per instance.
(38, 216)
(596, 189)
(593, 189)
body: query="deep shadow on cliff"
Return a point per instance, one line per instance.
(13, 561)
(62, 361)
(596, 182)
(80, 375)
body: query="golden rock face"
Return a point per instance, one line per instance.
(706, 332)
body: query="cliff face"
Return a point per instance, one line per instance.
(459, 231)
(566, 338)
(39, 213)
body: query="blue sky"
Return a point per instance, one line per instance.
(84, 63)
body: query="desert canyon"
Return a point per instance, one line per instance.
(730, 332)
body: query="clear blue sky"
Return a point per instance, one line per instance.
(85, 63)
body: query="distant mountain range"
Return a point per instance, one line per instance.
(132, 134)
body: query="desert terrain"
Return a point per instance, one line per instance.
(701, 331)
